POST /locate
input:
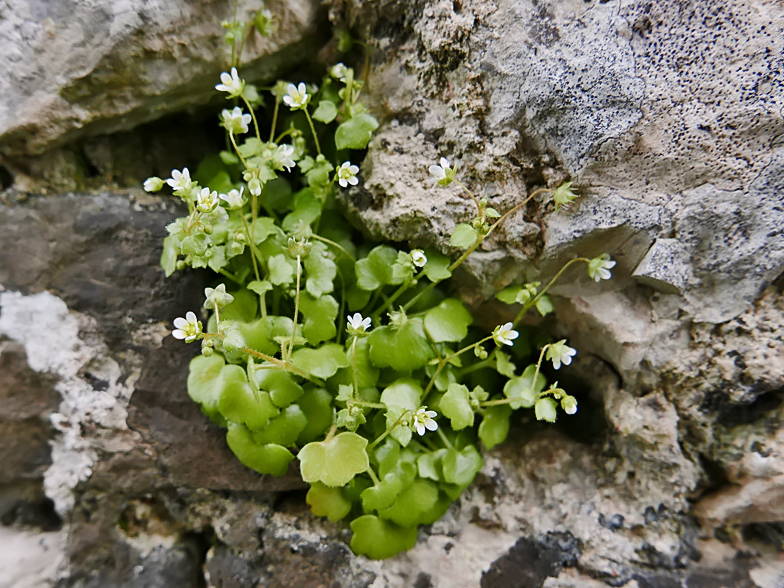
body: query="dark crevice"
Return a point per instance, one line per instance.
(6, 178)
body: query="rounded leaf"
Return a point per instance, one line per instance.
(265, 459)
(448, 321)
(379, 539)
(334, 462)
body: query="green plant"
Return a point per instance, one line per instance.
(385, 419)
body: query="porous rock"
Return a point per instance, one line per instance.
(71, 68)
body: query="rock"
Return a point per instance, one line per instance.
(71, 69)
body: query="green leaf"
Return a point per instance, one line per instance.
(544, 305)
(323, 362)
(169, 256)
(284, 429)
(316, 404)
(495, 425)
(355, 133)
(334, 462)
(326, 111)
(545, 410)
(403, 350)
(460, 467)
(281, 270)
(307, 208)
(281, 386)
(402, 395)
(328, 502)
(437, 266)
(243, 308)
(320, 315)
(376, 269)
(259, 287)
(265, 459)
(379, 539)
(509, 294)
(464, 236)
(383, 495)
(448, 321)
(263, 228)
(321, 271)
(455, 405)
(204, 380)
(522, 387)
(429, 465)
(504, 365)
(239, 404)
(412, 503)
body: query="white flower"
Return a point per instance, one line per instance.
(599, 268)
(569, 404)
(358, 325)
(423, 419)
(296, 96)
(188, 328)
(563, 195)
(282, 157)
(234, 199)
(418, 257)
(444, 173)
(236, 122)
(339, 72)
(505, 334)
(560, 353)
(181, 182)
(153, 184)
(347, 174)
(231, 84)
(206, 201)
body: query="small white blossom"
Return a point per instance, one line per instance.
(418, 257)
(188, 328)
(569, 404)
(207, 200)
(443, 173)
(153, 184)
(236, 122)
(231, 84)
(296, 96)
(599, 268)
(339, 72)
(505, 334)
(358, 325)
(423, 419)
(181, 182)
(560, 353)
(347, 174)
(282, 157)
(234, 199)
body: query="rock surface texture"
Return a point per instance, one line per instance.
(668, 115)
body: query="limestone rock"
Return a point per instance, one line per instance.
(73, 68)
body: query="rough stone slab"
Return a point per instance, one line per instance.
(70, 68)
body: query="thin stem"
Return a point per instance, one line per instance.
(274, 118)
(332, 430)
(432, 342)
(313, 130)
(403, 287)
(471, 194)
(338, 245)
(354, 367)
(252, 254)
(234, 144)
(373, 476)
(440, 367)
(489, 362)
(538, 365)
(342, 302)
(464, 349)
(368, 404)
(279, 363)
(296, 311)
(389, 430)
(253, 114)
(444, 438)
(230, 275)
(528, 305)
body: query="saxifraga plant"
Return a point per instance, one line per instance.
(384, 412)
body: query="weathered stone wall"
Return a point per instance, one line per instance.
(667, 115)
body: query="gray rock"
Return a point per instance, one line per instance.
(666, 267)
(70, 68)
